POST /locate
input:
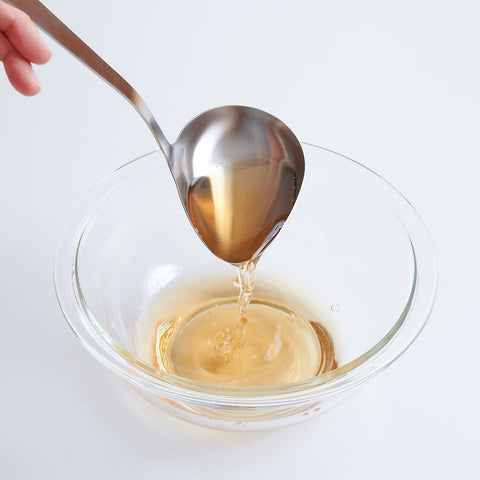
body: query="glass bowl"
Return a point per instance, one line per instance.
(354, 253)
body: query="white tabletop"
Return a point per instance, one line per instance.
(394, 85)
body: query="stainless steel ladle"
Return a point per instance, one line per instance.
(238, 170)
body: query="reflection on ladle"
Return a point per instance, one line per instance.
(238, 170)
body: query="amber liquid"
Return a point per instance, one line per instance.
(198, 331)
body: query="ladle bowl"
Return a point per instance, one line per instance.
(238, 171)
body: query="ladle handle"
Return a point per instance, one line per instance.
(48, 22)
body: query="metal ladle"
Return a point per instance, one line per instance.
(238, 170)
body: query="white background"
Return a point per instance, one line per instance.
(395, 85)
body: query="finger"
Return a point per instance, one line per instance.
(20, 73)
(23, 34)
(5, 46)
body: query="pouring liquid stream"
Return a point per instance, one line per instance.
(227, 344)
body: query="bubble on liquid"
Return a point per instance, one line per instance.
(335, 307)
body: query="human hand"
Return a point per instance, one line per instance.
(20, 46)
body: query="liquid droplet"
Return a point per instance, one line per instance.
(335, 308)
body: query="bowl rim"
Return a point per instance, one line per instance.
(83, 323)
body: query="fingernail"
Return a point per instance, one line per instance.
(36, 80)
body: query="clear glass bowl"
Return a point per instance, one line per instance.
(353, 251)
